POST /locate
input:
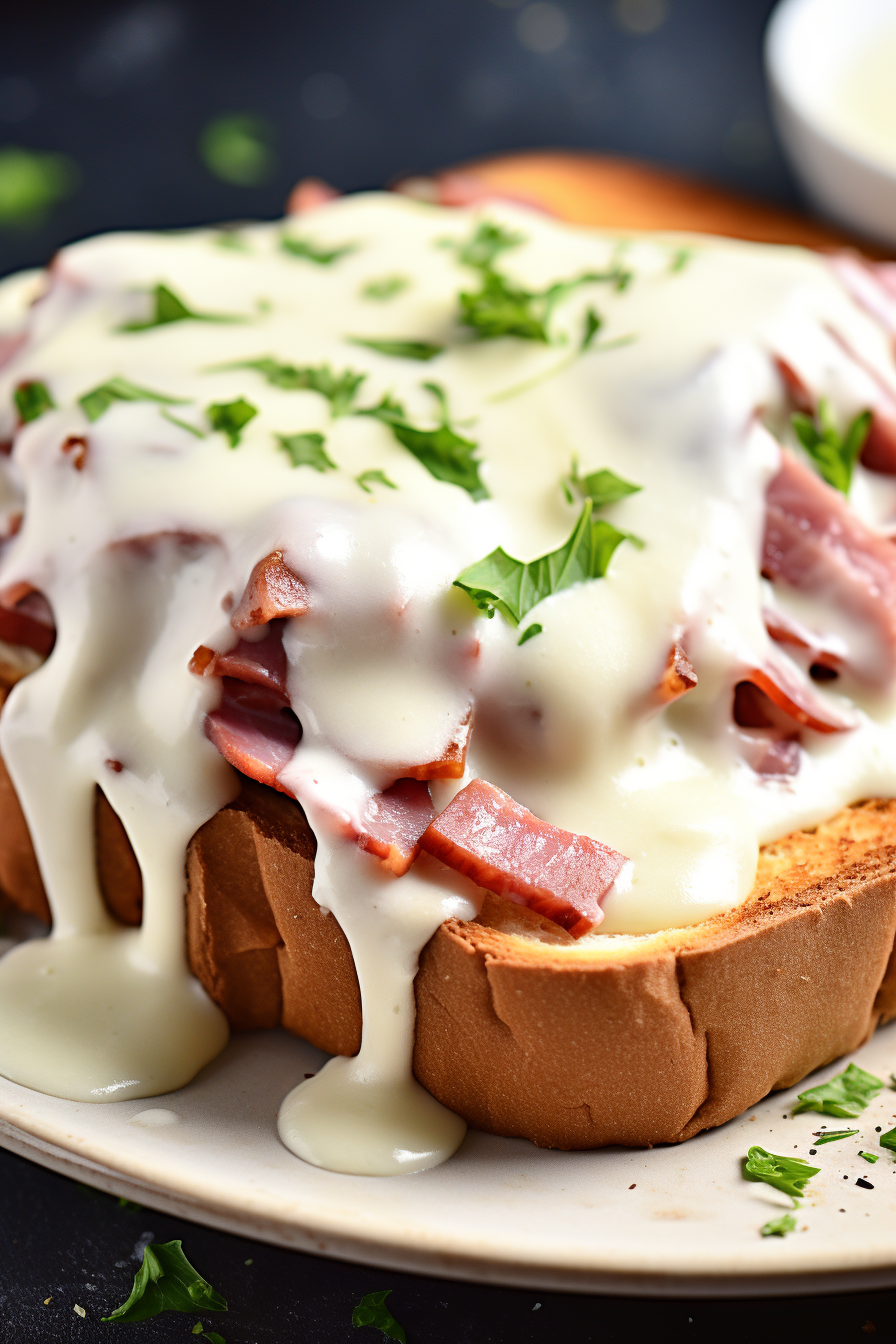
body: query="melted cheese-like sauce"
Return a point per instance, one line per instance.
(378, 676)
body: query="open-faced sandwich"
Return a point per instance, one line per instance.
(496, 621)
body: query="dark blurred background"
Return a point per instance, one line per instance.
(171, 112)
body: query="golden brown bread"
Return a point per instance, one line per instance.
(519, 1029)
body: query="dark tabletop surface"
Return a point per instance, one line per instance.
(359, 92)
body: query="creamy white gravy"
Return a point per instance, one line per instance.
(97, 1013)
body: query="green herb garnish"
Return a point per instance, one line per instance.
(832, 1135)
(169, 308)
(487, 243)
(374, 477)
(231, 417)
(529, 633)
(602, 487)
(96, 402)
(372, 1310)
(166, 1281)
(869, 1157)
(310, 251)
(445, 454)
(888, 1140)
(834, 454)
(788, 1174)
(31, 183)
(211, 1335)
(306, 450)
(340, 389)
(182, 424)
(386, 287)
(231, 241)
(237, 149)
(779, 1227)
(679, 259)
(500, 583)
(420, 350)
(846, 1096)
(31, 400)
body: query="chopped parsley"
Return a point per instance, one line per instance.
(834, 454)
(237, 149)
(530, 632)
(166, 1281)
(231, 417)
(182, 424)
(486, 244)
(788, 1174)
(888, 1140)
(372, 1310)
(96, 402)
(679, 259)
(832, 1135)
(513, 587)
(779, 1227)
(169, 308)
(310, 251)
(211, 1335)
(869, 1157)
(374, 477)
(32, 399)
(340, 389)
(306, 450)
(846, 1096)
(445, 454)
(386, 287)
(231, 240)
(602, 487)
(421, 350)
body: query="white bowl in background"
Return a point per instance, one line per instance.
(811, 47)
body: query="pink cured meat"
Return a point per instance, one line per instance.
(394, 822)
(253, 730)
(262, 662)
(814, 542)
(498, 844)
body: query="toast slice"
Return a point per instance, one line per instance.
(521, 1030)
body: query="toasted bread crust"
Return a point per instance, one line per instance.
(634, 1041)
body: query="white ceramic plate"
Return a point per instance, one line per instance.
(502, 1211)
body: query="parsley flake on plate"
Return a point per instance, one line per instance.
(231, 417)
(372, 1310)
(869, 1157)
(340, 389)
(32, 399)
(445, 454)
(888, 1140)
(778, 1227)
(845, 1096)
(306, 450)
(514, 587)
(834, 454)
(420, 350)
(169, 308)
(791, 1175)
(310, 251)
(374, 477)
(602, 487)
(832, 1135)
(98, 400)
(166, 1281)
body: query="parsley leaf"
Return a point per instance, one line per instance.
(888, 1140)
(779, 1227)
(444, 453)
(679, 259)
(310, 251)
(166, 1281)
(376, 477)
(169, 308)
(306, 450)
(869, 1157)
(487, 243)
(789, 1174)
(182, 424)
(340, 389)
(500, 583)
(601, 487)
(231, 417)
(530, 632)
(372, 1310)
(846, 1096)
(386, 287)
(96, 402)
(834, 454)
(31, 400)
(422, 350)
(832, 1135)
